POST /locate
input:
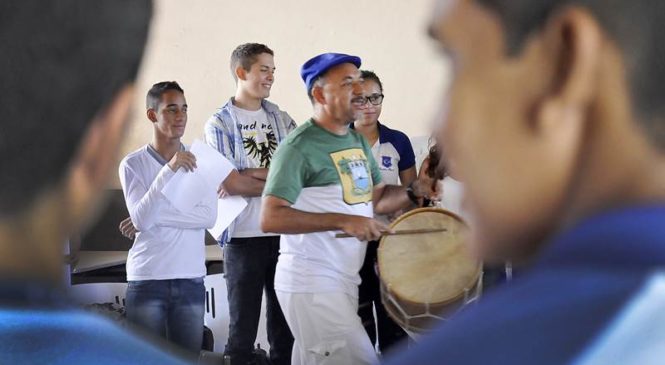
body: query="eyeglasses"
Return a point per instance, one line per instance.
(374, 99)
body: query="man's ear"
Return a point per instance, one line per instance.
(152, 115)
(573, 41)
(317, 94)
(88, 173)
(241, 73)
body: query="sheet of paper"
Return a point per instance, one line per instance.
(227, 210)
(186, 189)
(213, 165)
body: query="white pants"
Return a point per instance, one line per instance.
(326, 329)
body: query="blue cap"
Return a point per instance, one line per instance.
(318, 65)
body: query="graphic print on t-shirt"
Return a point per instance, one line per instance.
(259, 142)
(354, 175)
(387, 163)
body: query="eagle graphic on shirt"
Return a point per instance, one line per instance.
(260, 147)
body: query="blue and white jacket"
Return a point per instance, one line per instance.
(223, 134)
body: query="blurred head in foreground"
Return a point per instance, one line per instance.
(69, 69)
(554, 113)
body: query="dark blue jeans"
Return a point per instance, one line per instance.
(172, 309)
(249, 269)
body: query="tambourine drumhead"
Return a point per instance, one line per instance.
(429, 271)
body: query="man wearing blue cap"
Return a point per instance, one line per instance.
(323, 179)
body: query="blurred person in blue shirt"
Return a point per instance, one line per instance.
(67, 84)
(555, 121)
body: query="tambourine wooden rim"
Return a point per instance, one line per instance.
(470, 285)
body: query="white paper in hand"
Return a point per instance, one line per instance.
(228, 209)
(213, 165)
(186, 189)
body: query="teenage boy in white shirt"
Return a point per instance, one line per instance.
(166, 264)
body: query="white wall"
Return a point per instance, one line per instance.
(191, 42)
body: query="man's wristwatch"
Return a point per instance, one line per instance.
(412, 194)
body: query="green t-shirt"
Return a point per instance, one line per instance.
(321, 172)
(311, 156)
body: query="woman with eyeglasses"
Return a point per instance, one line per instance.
(394, 154)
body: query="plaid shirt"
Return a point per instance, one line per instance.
(223, 134)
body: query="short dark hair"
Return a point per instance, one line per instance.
(155, 93)
(635, 25)
(245, 55)
(63, 62)
(370, 75)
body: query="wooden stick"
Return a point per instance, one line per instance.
(402, 232)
